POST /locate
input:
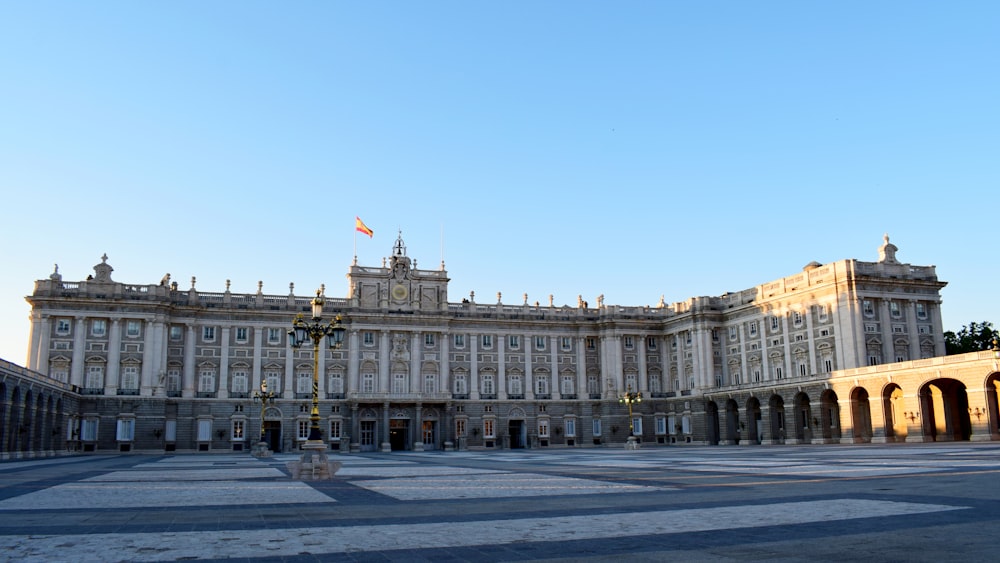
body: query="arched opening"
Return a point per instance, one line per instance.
(893, 408)
(732, 422)
(803, 419)
(944, 411)
(861, 416)
(777, 408)
(755, 426)
(829, 417)
(992, 406)
(712, 423)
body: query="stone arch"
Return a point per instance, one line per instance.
(992, 388)
(712, 423)
(829, 417)
(944, 411)
(732, 422)
(803, 418)
(893, 409)
(861, 416)
(777, 407)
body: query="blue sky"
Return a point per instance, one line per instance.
(630, 149)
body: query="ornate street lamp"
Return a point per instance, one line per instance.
(303, 331)
(265, 398)
(627, 399)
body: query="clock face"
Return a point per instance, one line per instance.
(399, 292)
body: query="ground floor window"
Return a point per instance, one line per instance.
(597, 427)
(88, 430)
(204, 430)
(661, 425)
(489, 428)
(126, 430)
(570, 427)
(460, 427)
(303, 426)
(335, 429)
(238, 427)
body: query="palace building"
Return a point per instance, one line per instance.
(844, 352)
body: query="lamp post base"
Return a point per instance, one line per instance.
(261, 449)
(313, 465)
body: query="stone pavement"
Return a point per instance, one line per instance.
(913, 502)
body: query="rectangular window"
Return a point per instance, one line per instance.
(429, 339)
(460, 427)
(779, 373)
(591, 343)
(828, 365)
(570, 424)
(796, 318)
(629, 343)
(543, 428)
(303, 427)
(241, 334)
(540, 342)
(868, 308)
(204, 430)
(274, 336)
(873, 360)
(894, 309)
(597, 426)
(62, 326)
(238, 430)
(130, 377)
(732, 333)
(566, 343)
(514, 342)
(126, 430)
(208, 333)
(637, 426)
(98, 327)
(88, 430)
(335, 429)
(176, 333)
(368, 383)
(489, 428)
(651, 342)
(368, 338)
(661, 425)
(753, 328)
(487, 341)
(774, 323)
(921, 311)
(170, 430)
(459, 341)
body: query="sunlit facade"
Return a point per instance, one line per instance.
(161, 367)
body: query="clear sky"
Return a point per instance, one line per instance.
(630, 149)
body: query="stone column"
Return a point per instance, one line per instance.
(353, 366)
(642, 377)
(386, 446)
(78, 360)
(474, 366)
(384, 385)
(416, 383)
(501, 368)
(258, 340)
(581, 369)
(223, 392)
(112, 374)
(554, 362)
(190, 342)
(446, 386)
(529, 375)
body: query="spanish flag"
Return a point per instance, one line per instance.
(360, 226)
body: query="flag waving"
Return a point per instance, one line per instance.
(360, 226)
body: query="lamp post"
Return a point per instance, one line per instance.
(627, 399)
(314, 330)
(265, 398)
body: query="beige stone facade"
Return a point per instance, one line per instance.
(801, 359)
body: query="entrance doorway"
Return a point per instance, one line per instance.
(272, 435)
(398, 431)
(367, 442)
(517, 432)
(428, 434)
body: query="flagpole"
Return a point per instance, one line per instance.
(355, 246)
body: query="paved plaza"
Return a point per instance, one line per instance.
(913, 502)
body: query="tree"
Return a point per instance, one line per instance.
(971, 338)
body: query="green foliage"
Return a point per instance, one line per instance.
(971, 338)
